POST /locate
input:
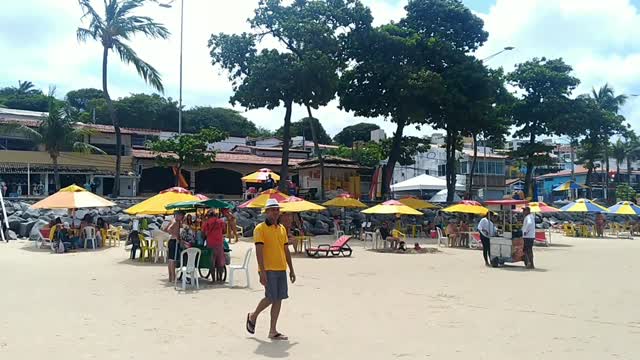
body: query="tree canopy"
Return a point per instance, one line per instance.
(358, 132)
(227, 120)
(302, 127)
(24, 97)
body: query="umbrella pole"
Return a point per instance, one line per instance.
(4, 215)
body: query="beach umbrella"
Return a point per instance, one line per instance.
(261, 200)
(441, 196)
(418, 204)
(569, 185)
(583, 205)
(201, 197)
(72, 197)
(391, 207)
(540, 207)
(261, 176)
(625, 208)
(296, 204)
(345, 201)
(467, 207)
(199, 204)
(156, 205)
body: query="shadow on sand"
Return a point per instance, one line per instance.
(520, 268)
(275, 349)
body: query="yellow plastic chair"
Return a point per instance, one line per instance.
(568, 230)
(147, 250)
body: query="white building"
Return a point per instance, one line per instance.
(378, 135)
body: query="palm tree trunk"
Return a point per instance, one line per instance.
(114, 121)
(588, 181)
(629, 170)
(56, 170)
(316, 148)
(473, 166)
(286, 142)
(451, 165)
(528, 178)
(606, 175)
(394, 155)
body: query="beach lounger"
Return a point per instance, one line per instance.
(339, 247)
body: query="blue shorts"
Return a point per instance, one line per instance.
(276, 288)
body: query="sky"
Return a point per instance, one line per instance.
(600, 39)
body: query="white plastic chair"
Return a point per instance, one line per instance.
(244, 266)
(337, 230)
(190, 268)
(89, 233)
(159, 237)
(441, 237)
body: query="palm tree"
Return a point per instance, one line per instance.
(619, 151)
(113, 30)
(56, 133)
(26, 87)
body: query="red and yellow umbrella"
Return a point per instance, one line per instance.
(467, 207)
(345, 201)
(156, 205)
(418, 204)
(261, 176)
(261, 200)
(296, 204)
(72, 197)
(392, 207)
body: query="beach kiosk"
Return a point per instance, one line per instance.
(508, 247)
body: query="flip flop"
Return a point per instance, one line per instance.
(251, 327)
(278, 336)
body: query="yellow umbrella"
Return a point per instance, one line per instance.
(391, 207)
(345, 201)
(72, 197)
(467, 207)
(296, 204)
(261, 200)
(261, 176)
(417, 204)
(156, 205)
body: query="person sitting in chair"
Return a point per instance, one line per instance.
(385, 233)
(452, 233)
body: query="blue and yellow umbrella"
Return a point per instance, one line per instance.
(625, 208)
(583, 205)
(569, 185)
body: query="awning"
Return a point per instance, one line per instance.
(423, 182)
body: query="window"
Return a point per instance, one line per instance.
(442, 170)
(500, 168)
(491, 167)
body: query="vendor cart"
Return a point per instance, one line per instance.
(508, 248)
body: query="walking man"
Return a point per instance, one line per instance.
(486, 230)
(272, 253)
(529, 234)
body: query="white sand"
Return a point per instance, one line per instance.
(582, 303)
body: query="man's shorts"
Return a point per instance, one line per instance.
(277, 288)
(173, 249)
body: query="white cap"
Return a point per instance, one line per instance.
(272, 204)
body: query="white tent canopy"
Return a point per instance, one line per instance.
(423, 182)
(441, 197)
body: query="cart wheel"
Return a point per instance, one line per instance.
(205, 276)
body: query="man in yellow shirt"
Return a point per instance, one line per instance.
(272, 253)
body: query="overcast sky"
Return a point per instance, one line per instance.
(600, 39)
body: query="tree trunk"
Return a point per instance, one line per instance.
(178, 173)
(286, 143)
(629, 171)
(56, 171)
(316, 147)
(394, 155)
(588, 181)
(473, 166)
(528, 178)
(606, 175)
(450, 170)
(114, 121)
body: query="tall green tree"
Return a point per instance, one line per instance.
(186, 149)
(113, 30)
(358, 132)
(80, 99)
(303, 127)
(545, 85)
(228, 120)
(56, 133)
(619, 153)
(24, 97)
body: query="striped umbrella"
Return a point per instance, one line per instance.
(540, 207)
(625, 208)
(583, 205)
(392, 207)
(261, 176)
(261, 200)
(569, 185)
(345, 201)
(468, 207)
(418, 204)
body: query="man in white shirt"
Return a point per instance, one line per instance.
(487, 230)
(529, 235)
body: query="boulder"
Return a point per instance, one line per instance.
(153, 226)
(80, 214)
(110, 219)
(11, 235)
(24, 206)
(31, 213)
(35, 229)
(124, 218)
(25, 228)
(14, 222)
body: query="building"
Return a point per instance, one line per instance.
(378, 135)
(339, 174)
(489, 175)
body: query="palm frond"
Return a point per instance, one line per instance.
(21, 129)
(144, 25)
(126, 7)
(85, 34)
(88, 10)
(145, 70)
(86, 148)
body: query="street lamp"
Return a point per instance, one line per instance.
(169, 6)
(507, 48)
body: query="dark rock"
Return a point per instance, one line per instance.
(124, 218)
(25, 228)
(11, 235)
(14, 222)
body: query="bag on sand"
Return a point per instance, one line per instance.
(60, 248)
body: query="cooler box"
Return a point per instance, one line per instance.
(500, 248)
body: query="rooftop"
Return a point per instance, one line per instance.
(226, 157)
(331, 162)
(8, 118)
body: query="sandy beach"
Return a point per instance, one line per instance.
(581, 303)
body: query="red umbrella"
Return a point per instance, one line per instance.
(176, 189)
